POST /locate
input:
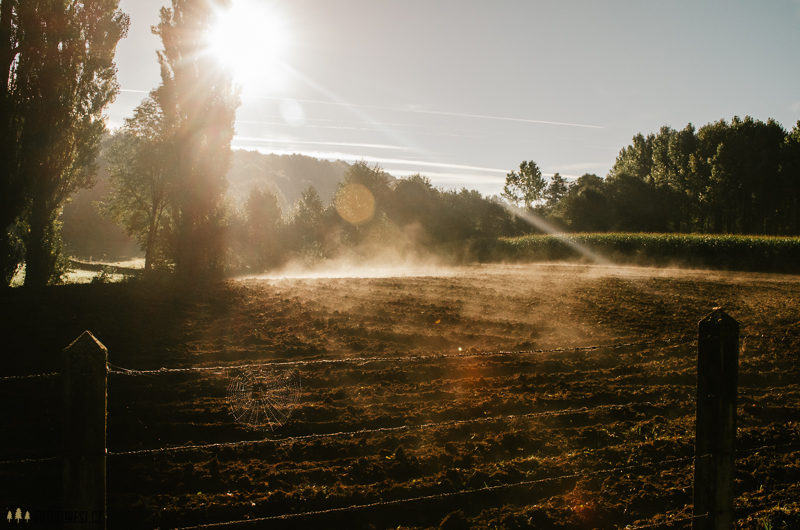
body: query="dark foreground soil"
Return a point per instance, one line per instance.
(413, 424)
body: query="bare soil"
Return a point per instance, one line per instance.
(411, 355)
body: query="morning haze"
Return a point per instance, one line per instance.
(373, 264)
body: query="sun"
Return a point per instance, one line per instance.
(250, 40)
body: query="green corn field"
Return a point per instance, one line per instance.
(734, 252)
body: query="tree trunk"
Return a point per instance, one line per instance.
(10, 200)
(6, 46)
(39, 262)
(11, 187)
(150, 246)
(8, 259)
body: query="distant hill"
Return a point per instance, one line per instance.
(285, 175)
(87, 233)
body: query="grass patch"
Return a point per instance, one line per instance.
(732, 252)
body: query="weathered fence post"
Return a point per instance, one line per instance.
(84, 468)
(717, 368)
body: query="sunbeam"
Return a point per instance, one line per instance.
(537, 222)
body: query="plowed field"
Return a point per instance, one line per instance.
(530, 396)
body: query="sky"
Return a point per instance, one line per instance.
(462, 91)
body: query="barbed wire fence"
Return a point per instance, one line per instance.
(115, 370)
(45, 375)
(662, 464)
(439, 496)
(393, 359)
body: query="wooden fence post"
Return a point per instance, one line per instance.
(717, 368)
(84, 430)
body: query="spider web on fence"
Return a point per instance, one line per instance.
(263, 398)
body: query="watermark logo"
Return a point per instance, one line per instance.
(18, 516)
(53, 517)
(263, 398)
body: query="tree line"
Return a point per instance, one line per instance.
(741, 176)
(737, 177)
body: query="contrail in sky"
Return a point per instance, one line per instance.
(332, 155)
(438, 113)
(307, 125)
(499, 118)
(335, 144)
(419, 111)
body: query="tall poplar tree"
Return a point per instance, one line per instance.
(58, 66)
(198, 102)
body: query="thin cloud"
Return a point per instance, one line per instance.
(357, 110)
(420, 111)
(449, 178)
(306, 142)
(581, 166)
(503, 118)
(438, 113)
(383, 161)
(307, 125)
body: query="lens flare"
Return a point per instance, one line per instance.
(355, 203)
